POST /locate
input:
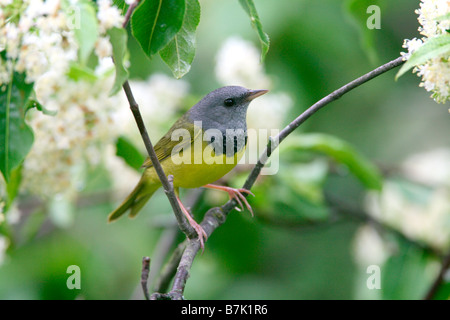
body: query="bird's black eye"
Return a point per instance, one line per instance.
(229, 102)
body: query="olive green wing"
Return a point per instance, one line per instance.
(180, 136)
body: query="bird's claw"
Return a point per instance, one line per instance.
(236, 194)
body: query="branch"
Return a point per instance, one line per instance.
(129, 12)
(185, 227)
(217, 216)
(164, 245)
(273, 143)
(439, 279)
(144, 276)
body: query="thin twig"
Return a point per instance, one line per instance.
(129, 12)
(439, 279)
(273, 143)
(217, 216)
(169, 270)
(144, 276)
(185, 227)
(164, 246)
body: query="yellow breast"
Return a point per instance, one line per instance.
(196, 165)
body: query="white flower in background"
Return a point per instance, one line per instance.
(40, 42)
(429, 168)
(412, 45)
(428, 12)
(108, 15)
(2, 215)
(435, 72)
(43, 39)
(76, 135)
(4, 243)
(428, 221)
(421, 212)
(103, 48)
(368, 247)
(238, 63)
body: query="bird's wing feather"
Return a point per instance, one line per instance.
(166, 145)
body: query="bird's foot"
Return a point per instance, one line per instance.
(236, 194)
(202, 236)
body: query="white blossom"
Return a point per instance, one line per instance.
(429, 168)
(368, 247)
(43, 46)
(435, 73)
(103, 47)
(238, 63)
(420, 209)
(108, 16)
(4, 244)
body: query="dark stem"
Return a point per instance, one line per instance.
(170, 268)
(144, 276)
(129, 12)
(164, 245)
(439, 279)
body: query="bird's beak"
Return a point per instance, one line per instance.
(252, 94)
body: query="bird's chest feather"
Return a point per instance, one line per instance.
(207, 159)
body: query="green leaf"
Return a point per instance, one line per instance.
(32, 225)
(180, 52)
(33, 103)
(121, 4)
(403, 276)
(16, 137)
(127, 151)
(118, 38)
(154, 23)
(250, 8)
(86, 32)
(357, 13)
(12, 187)
(341, 152)
(78, 72)
(432, 48)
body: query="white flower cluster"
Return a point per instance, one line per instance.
(77, 134)
(238, 64)
(39, 40)
(420, 209)
(435, 72)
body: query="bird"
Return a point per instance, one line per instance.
(202, 146)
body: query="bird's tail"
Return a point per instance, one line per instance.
(135, 201)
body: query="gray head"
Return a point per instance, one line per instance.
(224, 108)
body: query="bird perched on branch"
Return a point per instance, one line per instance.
(202, 146)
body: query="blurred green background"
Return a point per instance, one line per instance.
(292, 249)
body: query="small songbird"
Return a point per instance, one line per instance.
(201, 147)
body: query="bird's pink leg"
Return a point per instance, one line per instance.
(202, 236)
(236, 194)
